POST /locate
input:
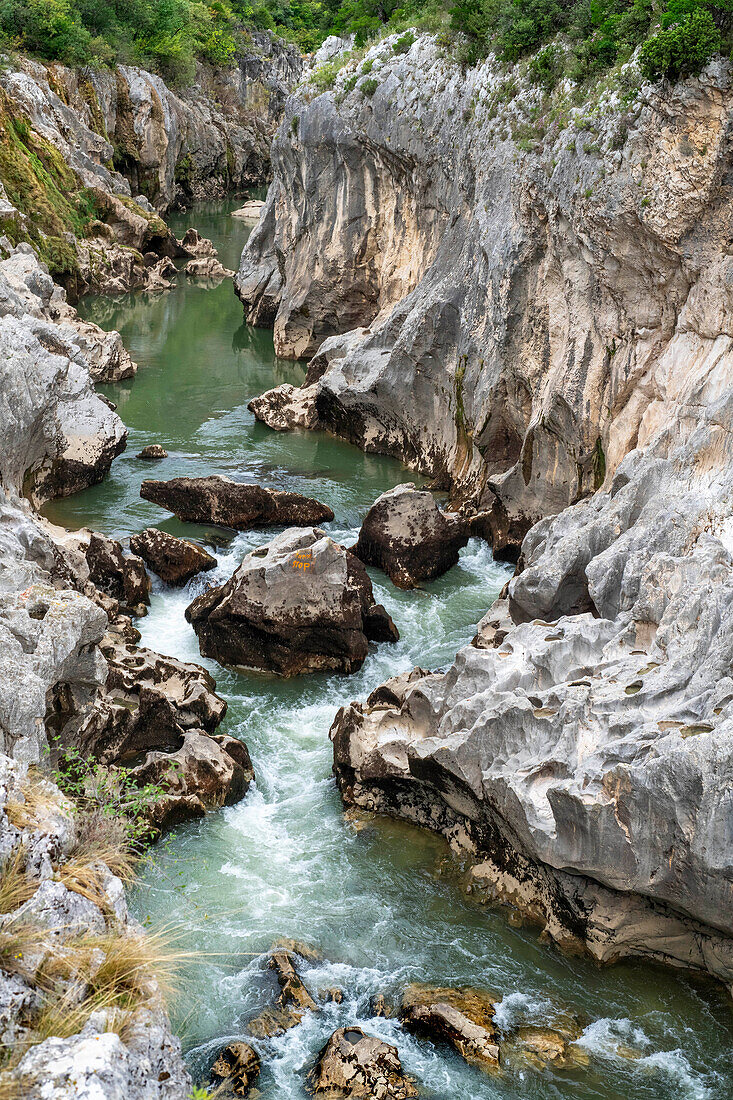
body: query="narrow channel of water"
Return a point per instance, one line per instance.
(380, 899)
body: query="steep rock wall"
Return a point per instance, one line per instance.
(515, 316)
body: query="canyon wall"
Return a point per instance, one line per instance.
(531, 301)
(507, 313)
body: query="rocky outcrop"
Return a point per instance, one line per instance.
(152, 453)
(164, 146)
(354, 1064)
(293, 1000)
(207, 267)
(123, 578)
(175, 561)
(56, 434)
(232, 504)
(300, 604)
(583, 756)
(407, 535)
(502, 314)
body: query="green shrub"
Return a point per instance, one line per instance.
(369, 87)
(367, 66)
(404, 42)
(683, 48)
(547, 67)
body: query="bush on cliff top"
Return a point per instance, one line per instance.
(601, 32)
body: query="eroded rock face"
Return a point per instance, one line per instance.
(301, 604)
(584, 758)
(356, 1064)
(407, 535)
(232, 504)
(122, 578)
(463, 1018)
(56, 434)
(174, 560)
(508, 322)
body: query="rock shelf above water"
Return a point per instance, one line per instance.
(216, 499)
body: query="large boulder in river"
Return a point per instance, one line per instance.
(216, 499)
(174, 560)
(407, 535)
(464, 1018)
(301, 604)
(237, 1066)
(122, 578)
(354, 1064)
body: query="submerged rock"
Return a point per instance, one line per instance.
(174, 560)
(237, 1067)
(407, 535)
(216, 499)
(293, 1001)
(300, 604)
(462, 1017)
(250, 211)
(354, 1064)
(152, 451)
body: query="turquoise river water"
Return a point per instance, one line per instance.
(381, 900)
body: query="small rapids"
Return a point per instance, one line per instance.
(380, 899)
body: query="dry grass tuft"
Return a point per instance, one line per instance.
(41, 800)
(102, 844)
(16, 886)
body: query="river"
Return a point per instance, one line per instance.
(382, 901)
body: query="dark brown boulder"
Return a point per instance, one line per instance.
(464, 1018)
(237, 1066)
(301, 604)
(122, 578)
(174, 560)
(232, 504)
(407, 535)
(354, 1064)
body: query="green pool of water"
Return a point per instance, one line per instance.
(381, 900)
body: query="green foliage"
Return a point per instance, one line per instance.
(684, 45)
(111, 792)
(404, 42)
(369, 86)
(600, 33)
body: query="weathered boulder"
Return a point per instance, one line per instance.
(407, 535)
(123, 578)
(204, 773)
(216, 499)
(148, 704)
(300, 604)
(462, 1017)
(236, 1067)
(193, 244)
(152, 452)
(354, 1064)
(174, 560)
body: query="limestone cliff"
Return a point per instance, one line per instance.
(504, 312)
(530, 300)
(90, 157)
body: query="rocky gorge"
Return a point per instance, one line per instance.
(553, 352)
(542, 327)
